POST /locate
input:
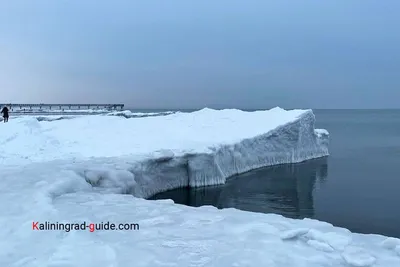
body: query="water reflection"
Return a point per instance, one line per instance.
(285, 189)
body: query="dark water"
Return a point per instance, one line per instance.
(356, 187)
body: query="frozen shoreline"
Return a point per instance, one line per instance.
(169, 151)
(169, 233)
(67, 171)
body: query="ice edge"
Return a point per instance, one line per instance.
(294, 142)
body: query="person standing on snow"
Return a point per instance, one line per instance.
(4, 111)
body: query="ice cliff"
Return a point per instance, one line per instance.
(291, 142)
(144, 156)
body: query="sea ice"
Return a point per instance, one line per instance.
(129, 114)
(169, 234)
(165, 152)
(74, 171)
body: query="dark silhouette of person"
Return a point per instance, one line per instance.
(4, 111)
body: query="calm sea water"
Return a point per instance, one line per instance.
(356, 187)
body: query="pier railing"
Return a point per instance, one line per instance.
(63, 106)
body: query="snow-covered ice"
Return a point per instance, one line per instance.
(130, 114)
(166, 152)
(75, 170)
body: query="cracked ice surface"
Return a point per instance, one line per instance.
(75, 171)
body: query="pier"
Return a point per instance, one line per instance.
(62, 107)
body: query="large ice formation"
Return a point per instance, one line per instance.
(68, 171)
(176, 150)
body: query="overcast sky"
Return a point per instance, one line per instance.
(191, 54)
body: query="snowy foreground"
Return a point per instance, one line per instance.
(74, 171)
